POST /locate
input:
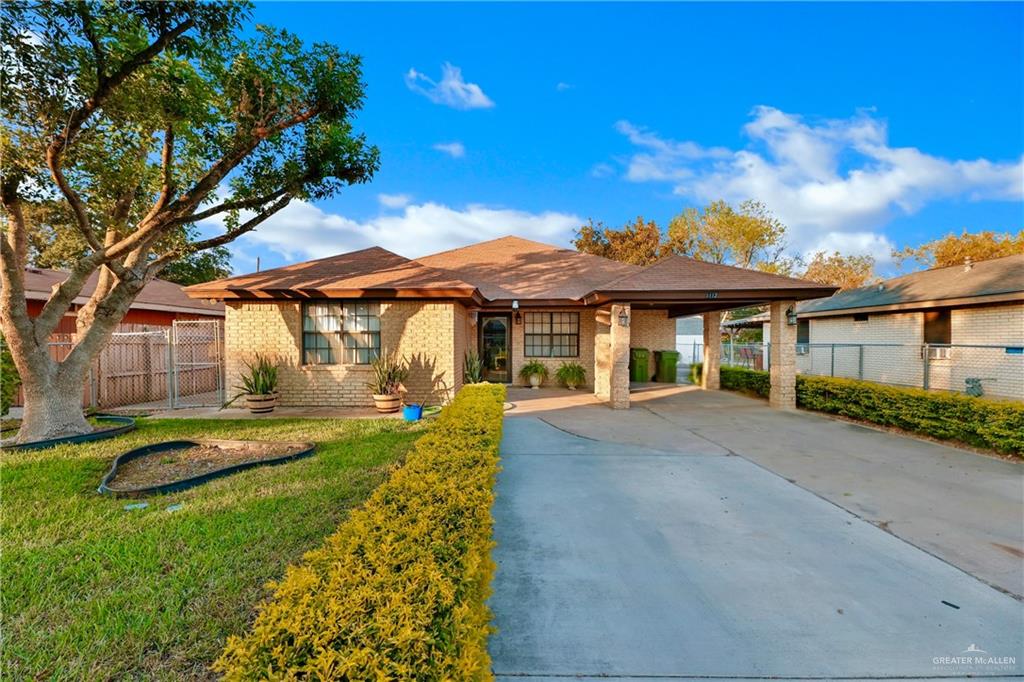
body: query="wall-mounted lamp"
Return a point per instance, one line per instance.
(516, 317)
(623, 318)
(790, 316)
(474, 316)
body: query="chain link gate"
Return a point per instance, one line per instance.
(196, 359)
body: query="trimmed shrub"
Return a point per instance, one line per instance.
(752, 382)
(995, 424)
(399, 591)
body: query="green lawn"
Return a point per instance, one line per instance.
(92, 591)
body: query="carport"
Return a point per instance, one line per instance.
(683, 286)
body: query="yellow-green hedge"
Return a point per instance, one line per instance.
(399, 591)
(995, 424)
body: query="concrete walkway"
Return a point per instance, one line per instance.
(621, 560)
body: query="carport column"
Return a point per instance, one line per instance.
(782, 356)
(710, 375)
(619, 356)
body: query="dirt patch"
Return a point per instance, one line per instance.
(160, 468)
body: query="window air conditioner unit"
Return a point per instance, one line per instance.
(802, 349)
(938, 353)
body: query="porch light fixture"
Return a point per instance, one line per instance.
(516, 317)
(791, 316)
(623, 318)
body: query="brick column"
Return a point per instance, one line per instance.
(710, 378)
(619, 355)
(602, 355)
(782, 357)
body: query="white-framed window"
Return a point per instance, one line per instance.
(345, 332)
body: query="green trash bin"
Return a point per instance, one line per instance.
(638, 365)
(666, 362)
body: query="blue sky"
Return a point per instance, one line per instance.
(862, 126)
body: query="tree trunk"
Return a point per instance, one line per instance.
(53, 407)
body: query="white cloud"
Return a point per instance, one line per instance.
(302, 231)
(451, 91)
(563, 86)
(833, 182)
(394, 200)
(456, 150)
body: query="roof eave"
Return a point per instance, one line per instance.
(239, 293)
(961, 302)
(599, 297)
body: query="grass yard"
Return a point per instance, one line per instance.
(92, 591)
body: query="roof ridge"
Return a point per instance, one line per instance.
(489, 241)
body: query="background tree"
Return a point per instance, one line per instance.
(954, 249)
(639, 242)
(749, 237)
(845, 272)
(139, 119)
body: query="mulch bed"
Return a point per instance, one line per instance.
(198, 460)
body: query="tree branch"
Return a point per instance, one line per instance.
(225, 238)
(166, 163)
(104, 88)
(232, 206)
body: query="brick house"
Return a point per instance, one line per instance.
(933, 328)
(510, 300)
(158, 304)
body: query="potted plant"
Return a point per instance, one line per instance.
(259, 386)
(535, 372)
(388, 374)
(571, 375)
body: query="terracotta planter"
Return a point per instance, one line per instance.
(387, 403)
(261, 404)
(571, 387)
(535, 380)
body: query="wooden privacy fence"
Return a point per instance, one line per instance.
(152, 367)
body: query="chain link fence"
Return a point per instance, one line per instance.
(980, 370)
(149, 367)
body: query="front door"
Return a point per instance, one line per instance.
(494, 348)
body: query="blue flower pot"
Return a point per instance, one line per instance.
(412, 413)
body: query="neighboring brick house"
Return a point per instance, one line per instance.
(971, 317)
(510, 300)
(158, 304)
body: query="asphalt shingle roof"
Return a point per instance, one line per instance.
(514, 268)
(371, 269)
(504, 269)
(158, 294)
(984, 278)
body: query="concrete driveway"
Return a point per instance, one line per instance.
(617, 559)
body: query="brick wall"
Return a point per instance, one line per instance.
(653, 330)
(424, 333)
(586, 356)
(892, 349)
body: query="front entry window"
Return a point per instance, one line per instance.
(494, 348)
